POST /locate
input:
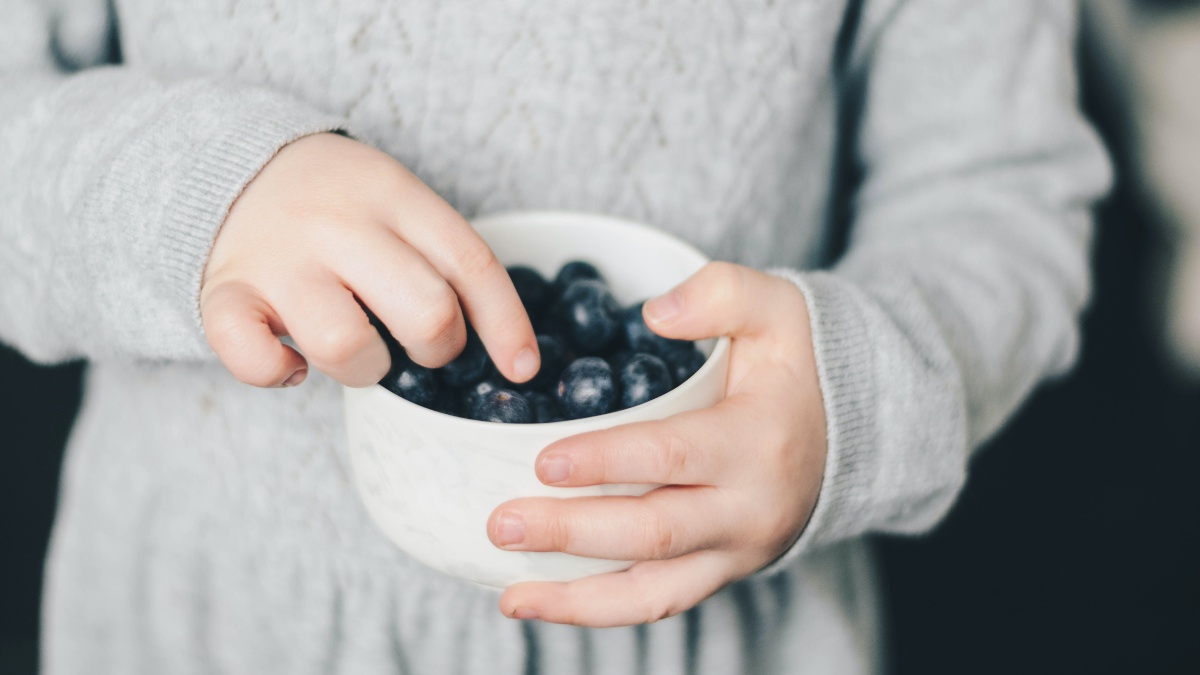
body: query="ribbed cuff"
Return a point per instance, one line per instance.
(225, 136)
(844, 370)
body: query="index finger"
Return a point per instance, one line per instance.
(467, 263)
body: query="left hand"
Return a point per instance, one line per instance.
(740, 478)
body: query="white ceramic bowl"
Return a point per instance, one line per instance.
(431, 480)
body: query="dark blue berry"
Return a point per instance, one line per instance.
(448, 401)
(640, 338)
(550, 323)
(545, 408)
(586, 388)
(411, 381)
(533, 289)
(643, 378)
(576, 270)
(619, 358)
(502, 405)
(469, 367)
(473, 393)
(683, 363)
(592, 316)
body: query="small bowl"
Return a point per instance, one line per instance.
(430, 480)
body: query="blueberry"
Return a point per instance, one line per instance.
(550, 323)
(576, 270)
(592, 316)
(586, 388)
(532, 288)
(480, 389)
(469, 367)
(619, 358)
(643, 378)
(640, 338)
(545, 408)
(683, 363)
(502, 405)
(448, 401)
(411, 381)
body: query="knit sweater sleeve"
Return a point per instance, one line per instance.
(967, 265)
(113, 183)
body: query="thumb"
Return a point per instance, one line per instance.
(243, 331)
(720, 299)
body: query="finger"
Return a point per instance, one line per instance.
(665, 523)
(333, 331)
(722, 299)
(243, 331)
(418, 307)
(483, 286)
(645, 593)
(700, 447)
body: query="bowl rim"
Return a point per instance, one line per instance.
(609, 419)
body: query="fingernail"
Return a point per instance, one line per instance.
(524, 613)
(556, 469)
(525, 365)
(296, 378)
(510, 529)
(664, 308)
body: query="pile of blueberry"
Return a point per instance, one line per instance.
(597, 357)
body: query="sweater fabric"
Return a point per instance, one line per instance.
(206, 526)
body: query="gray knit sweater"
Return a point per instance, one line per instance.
(207, 526)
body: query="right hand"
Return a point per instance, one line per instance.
(327, 220)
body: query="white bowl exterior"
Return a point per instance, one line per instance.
(430, 481)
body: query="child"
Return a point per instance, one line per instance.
(170, 217)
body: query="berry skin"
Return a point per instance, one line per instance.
(639, 337)
(474, 393)
(683, 363)
(411, 381)
(592, 316)
(448, 401)
(504, 406)
(619, 358)
(576, 270)
(587, 388)
(643, 378)
(469, 367)
(533, 289)
(545, 408)
(550, 322)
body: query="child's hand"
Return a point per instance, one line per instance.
(330, 219)
(742, 477)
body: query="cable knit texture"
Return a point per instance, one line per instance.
(206, 526)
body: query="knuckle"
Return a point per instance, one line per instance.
(660, 536)
(439, 319)
(557, 532)
(675, 456)
(339, 344)
(477, 262)
(659, 609)
(222, 328)
(726, 280)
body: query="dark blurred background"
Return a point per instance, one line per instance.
(1075, 547)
